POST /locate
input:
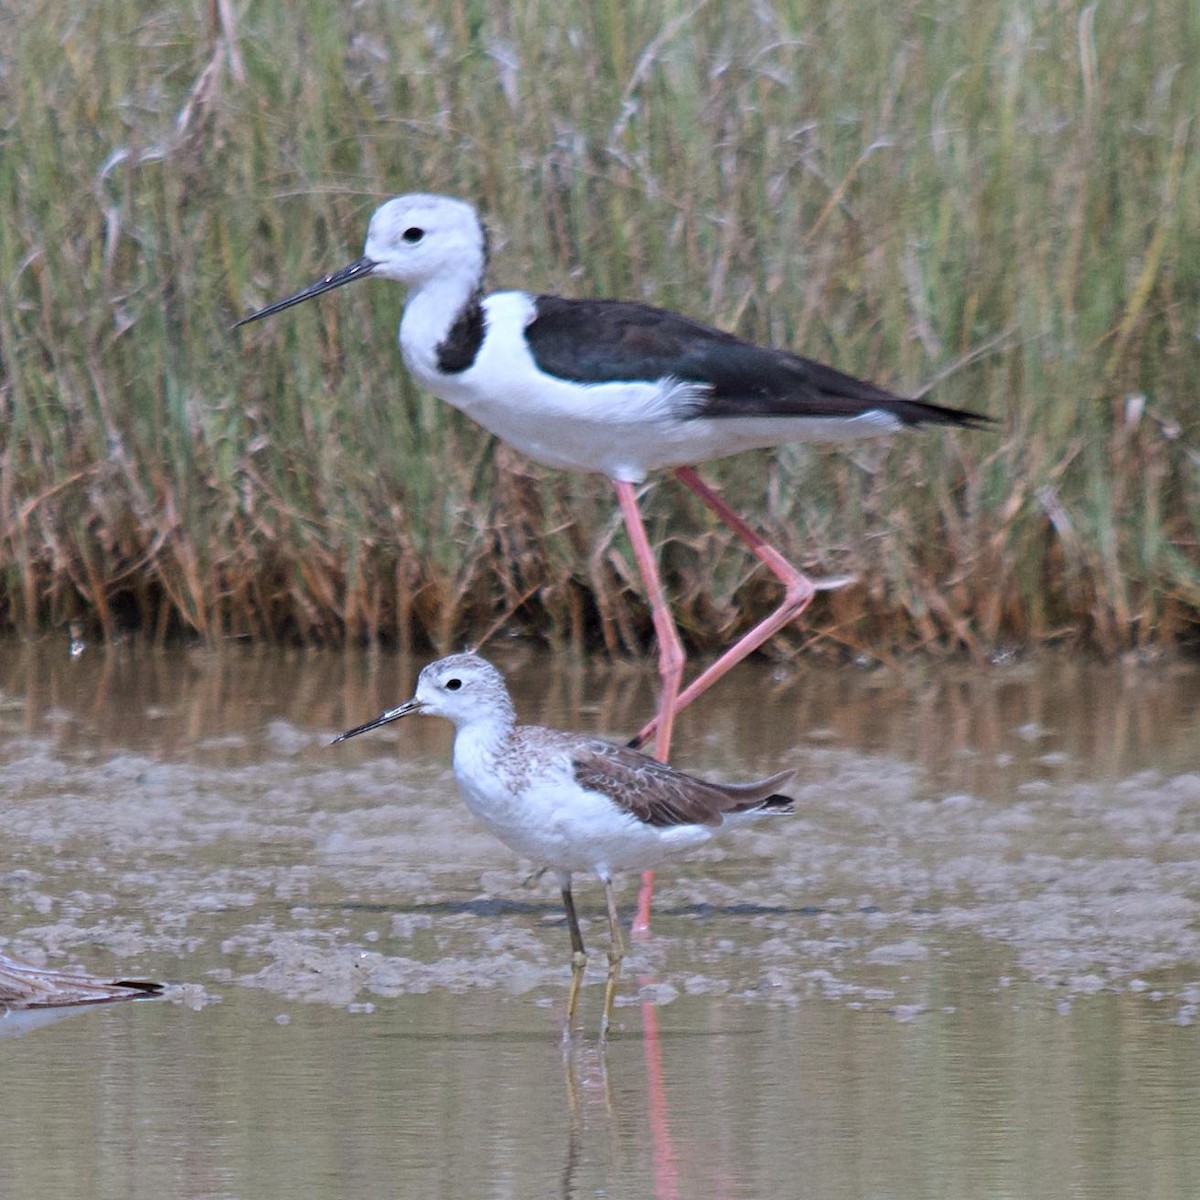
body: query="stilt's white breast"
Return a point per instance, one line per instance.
(624, 430)
(573, 426)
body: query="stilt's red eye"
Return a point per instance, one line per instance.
(452, 685)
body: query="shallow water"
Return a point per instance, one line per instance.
(968, 966)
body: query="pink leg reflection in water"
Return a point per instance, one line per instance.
(658, 1116)
(586, 1066)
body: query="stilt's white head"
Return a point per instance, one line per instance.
(420, 237)
(413, 239)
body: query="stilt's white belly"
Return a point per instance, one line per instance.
(624, 430)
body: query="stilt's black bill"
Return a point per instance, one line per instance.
(392, 714)
(356, 270)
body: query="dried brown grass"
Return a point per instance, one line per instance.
(1003, 199)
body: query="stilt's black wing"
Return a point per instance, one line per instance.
(608, 341)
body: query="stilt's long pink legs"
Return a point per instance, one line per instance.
(798, 593)
(671, 657)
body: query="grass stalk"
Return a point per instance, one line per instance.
(1003, 197)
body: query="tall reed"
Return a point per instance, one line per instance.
(1000, 199)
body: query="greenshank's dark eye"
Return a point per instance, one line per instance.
(452, 685)
(413, 235)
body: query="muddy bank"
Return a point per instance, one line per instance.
(225, 843)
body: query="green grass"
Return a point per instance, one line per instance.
(1001, 198)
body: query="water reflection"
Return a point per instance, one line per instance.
(969, 967)
(431, 1098)
(974, 726)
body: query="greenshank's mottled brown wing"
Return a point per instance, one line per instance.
(660, 795)
(26, 986)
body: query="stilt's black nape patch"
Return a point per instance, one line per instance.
(460, 347)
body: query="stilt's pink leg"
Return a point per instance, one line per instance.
(671, 660)
(798, 593)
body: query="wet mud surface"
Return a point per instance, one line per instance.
(181, 814)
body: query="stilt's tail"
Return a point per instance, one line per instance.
(920, 412)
